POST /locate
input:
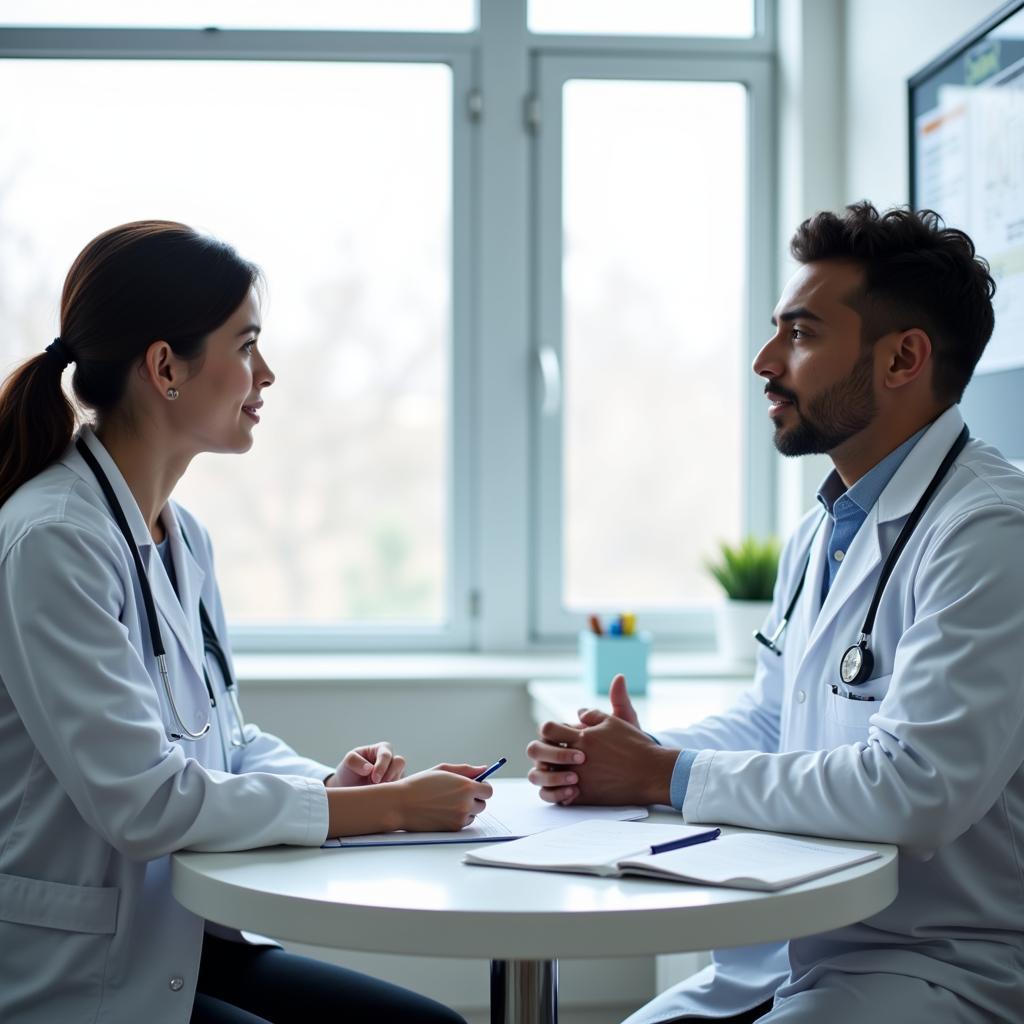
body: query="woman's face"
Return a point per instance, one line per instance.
(219, 405)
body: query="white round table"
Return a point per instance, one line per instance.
(422, 900)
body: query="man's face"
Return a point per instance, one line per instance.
(819, 377)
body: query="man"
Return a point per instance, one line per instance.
(876, 336)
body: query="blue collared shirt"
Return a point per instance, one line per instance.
(847, 508)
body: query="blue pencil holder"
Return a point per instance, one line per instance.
(604, 657)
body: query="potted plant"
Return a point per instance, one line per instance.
(746, 572)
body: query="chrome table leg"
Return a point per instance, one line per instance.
(524, 992)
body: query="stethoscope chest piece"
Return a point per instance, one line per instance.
(857, 663)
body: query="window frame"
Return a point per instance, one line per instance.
(691, 627)
(454, 51)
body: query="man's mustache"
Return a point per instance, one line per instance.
(780, 391)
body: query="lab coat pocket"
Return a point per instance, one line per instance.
(852, 714)
(55, 939)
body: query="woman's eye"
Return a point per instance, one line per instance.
(249, 345)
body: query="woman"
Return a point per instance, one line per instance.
(109, 763)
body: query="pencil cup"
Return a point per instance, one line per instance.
(603, 657)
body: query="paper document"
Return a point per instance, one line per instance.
(742, 861)
(587, 847)
(515, 810)
(750, 861)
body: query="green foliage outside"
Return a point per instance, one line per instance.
(747, 571)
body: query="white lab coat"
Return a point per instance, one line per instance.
(95, 796)
(934, 764)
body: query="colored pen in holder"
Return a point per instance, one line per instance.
(605, 655)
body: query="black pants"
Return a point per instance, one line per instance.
(747, 1017)
(241, 984)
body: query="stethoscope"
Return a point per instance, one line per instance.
(211, 645)
(857, 662)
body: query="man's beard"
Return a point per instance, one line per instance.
(834, 416)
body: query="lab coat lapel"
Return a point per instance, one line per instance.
(897, 501)
(861, 561)
(854, 584)
(190, 575)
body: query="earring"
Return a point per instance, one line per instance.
(172, 393)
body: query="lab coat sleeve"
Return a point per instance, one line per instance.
(946, 738)
(86, 699)
(752, 723)
(264, 752)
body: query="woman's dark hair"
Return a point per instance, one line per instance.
(917, 273)
(151, 280)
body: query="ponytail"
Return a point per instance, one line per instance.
(36, 419)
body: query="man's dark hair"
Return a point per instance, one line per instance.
(917, 273)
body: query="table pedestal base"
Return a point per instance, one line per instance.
(524, 992)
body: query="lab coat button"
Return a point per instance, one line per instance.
(800, 696)
(177, 983)
(840, 555)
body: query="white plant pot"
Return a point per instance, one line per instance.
(735, 625)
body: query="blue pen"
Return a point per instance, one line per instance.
(678, 844)
(490, 771)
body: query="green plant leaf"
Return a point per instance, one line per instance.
(747, 571)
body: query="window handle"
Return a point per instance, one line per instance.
(551, 378)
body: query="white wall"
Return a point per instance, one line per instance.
(886, 41)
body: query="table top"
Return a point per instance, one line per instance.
(423, 900)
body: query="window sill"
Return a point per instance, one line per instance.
(272, 670)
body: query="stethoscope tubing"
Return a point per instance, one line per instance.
(864, 637)
(211, 644)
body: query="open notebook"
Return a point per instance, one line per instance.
(681, 853)
(516, 809)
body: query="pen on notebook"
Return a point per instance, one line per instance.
(678, 844)
(490, 771)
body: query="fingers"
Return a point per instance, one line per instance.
(552, 754)
(396, 769)
(560, 794)
(469, 771)
(558, 732)
(591, 716)
(622, 706)
(381, 763)
(543, 776)
(356, 763)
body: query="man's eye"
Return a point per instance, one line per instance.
(796, 334)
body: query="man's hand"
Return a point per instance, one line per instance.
(368, 766)
(606, 759)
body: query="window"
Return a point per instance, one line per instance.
(644, 17)
(417, 482)
(386, 15)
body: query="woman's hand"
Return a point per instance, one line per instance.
(442, 799)
(368, 766)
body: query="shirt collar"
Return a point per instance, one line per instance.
(864, 493)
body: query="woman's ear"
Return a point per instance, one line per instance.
(160, 368)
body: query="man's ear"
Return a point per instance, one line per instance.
(908, 354)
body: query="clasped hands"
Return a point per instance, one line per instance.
(605, 759)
